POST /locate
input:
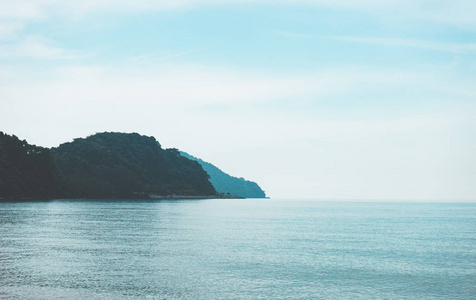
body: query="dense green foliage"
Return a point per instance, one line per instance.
(225, 183)
(110, 165)
(26, 171)
(120, 165)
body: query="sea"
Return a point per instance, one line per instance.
(237, 249)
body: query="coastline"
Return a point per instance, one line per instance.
(135, 197)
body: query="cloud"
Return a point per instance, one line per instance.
(16, 17)
(195, 85)
(23, 9)
(9, 29)
(420, 154)
(36, 48)
(233, 117)
(458, 12)
(164, 57)
(456, 48)
(130, 97)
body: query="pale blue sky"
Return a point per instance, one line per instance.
(345, 100)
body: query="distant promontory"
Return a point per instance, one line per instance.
(227, 184)
(107, 165)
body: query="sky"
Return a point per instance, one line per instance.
(332, 100)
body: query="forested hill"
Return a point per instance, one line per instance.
(110, 165)
(225, 183)
(26, 171)
(120, 165)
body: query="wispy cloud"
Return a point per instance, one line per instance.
(456, 48)
(192, 86)
(23, 9)
(17, 16)
(458, 12)
(9, 29)
(35, 47)
(358, 125)
(164, 57)
(359, 153)
(195, 85)
(346, 156)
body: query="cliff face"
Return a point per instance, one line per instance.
(120, 165)
(26, 171)
(225, 183)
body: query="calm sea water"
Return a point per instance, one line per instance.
(237, 249)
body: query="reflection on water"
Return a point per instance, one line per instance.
(203, 249)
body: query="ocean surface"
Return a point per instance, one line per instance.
(237, 249)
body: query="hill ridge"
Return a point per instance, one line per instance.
(225, 183)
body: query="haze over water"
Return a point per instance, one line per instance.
(225, 249)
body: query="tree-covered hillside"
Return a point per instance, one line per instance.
(120, 165)
(26, 171)
(110, 165)
(225, 183)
